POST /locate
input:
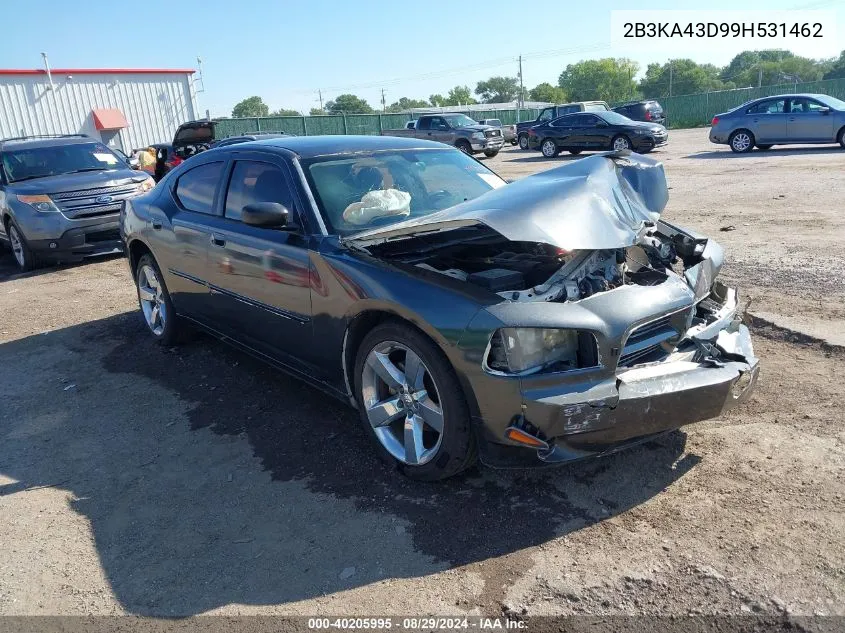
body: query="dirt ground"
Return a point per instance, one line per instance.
(193, 480)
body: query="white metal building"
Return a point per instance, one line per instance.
(125, 108)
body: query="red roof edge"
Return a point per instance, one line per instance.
(99, 71)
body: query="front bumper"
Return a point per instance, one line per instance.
(596, 412)
(488, 145)
(80, 242)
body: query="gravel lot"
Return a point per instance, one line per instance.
(196, 480)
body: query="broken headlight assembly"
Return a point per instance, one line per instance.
(526, 350)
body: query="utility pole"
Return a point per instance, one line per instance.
(759, 77)
(670, 77)
(383, 103)
(521, 101)
(320, 97)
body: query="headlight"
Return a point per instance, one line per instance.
(41, 203)
(478, 135)
(146, 185)
(530, 350)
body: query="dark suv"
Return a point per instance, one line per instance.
(649, 111)
(60, 197)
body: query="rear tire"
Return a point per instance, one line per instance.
(464, 146)
(575, 152)
(741, 141)
(22, 253)
(491, 154)
(156, 305)
(522, 141)
(396, 421)
(549, 148)
(841, 138)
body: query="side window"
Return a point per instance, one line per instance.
(546, 115)
(195, 188)
(579, 120)
(424, 123)
(804, 105)
(438, 123)
(564, 121)
(768, 107)
(252, 182)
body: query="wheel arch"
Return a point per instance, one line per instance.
(360, 323)
(136, 250)
(839, 133)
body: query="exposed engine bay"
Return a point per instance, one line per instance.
(531, 271)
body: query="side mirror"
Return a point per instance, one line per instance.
(271, 215)
(824, 110)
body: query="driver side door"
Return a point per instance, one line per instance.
(260, 276)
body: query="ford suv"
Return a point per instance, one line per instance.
(60, 197)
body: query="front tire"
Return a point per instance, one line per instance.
(156, 305)
(465, 147)
(549, 148)
(411, 404)
(24, 257)
(491, 154)
(620, 143)
(523, 141)
(841, 138)
(741, 141)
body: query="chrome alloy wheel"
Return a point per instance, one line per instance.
(152, 299)
(402, 403)
(549, 149)
(621, 143)
(741, 142)
(17, 244)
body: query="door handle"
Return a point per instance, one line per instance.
(216, 240)
(156, 225)
(792, 118)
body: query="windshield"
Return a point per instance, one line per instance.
(595, 107)
(459, 120)
(494, 122)
(614, 118)
(361, 192)
(833, 102)
(38, 162)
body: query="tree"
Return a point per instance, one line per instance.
(437, 100)
(836, 69)
(317, 111)
(687, 77)
(285, 112)
(608, 79)
(350, 104)
(548, 93)
(498, 89)
(460, 95)
(770, 67)
(404, 104)
(251, 106)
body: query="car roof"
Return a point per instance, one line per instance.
(795, 95)
(28, 142)
(326, 145)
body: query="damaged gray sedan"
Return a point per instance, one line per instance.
(540, 322)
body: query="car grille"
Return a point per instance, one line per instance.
(492, 133)
(85, 203)
(644, 343)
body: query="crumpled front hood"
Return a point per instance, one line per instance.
(599, 202)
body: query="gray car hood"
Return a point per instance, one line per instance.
(599, 202)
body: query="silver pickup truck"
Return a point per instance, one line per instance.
(455, 129)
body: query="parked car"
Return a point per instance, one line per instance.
(243, 138)
(410, 125)
(194, 137)
(508, 131)
(553, 112)
(781, 120)
(455, 129)
(649, 111)
(536, 322)
(60, 197)
(162, 160)
(596, 131)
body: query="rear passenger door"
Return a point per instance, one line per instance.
(183, 251)
(260, 278)
(767, 120)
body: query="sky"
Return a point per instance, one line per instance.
(286, 51)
